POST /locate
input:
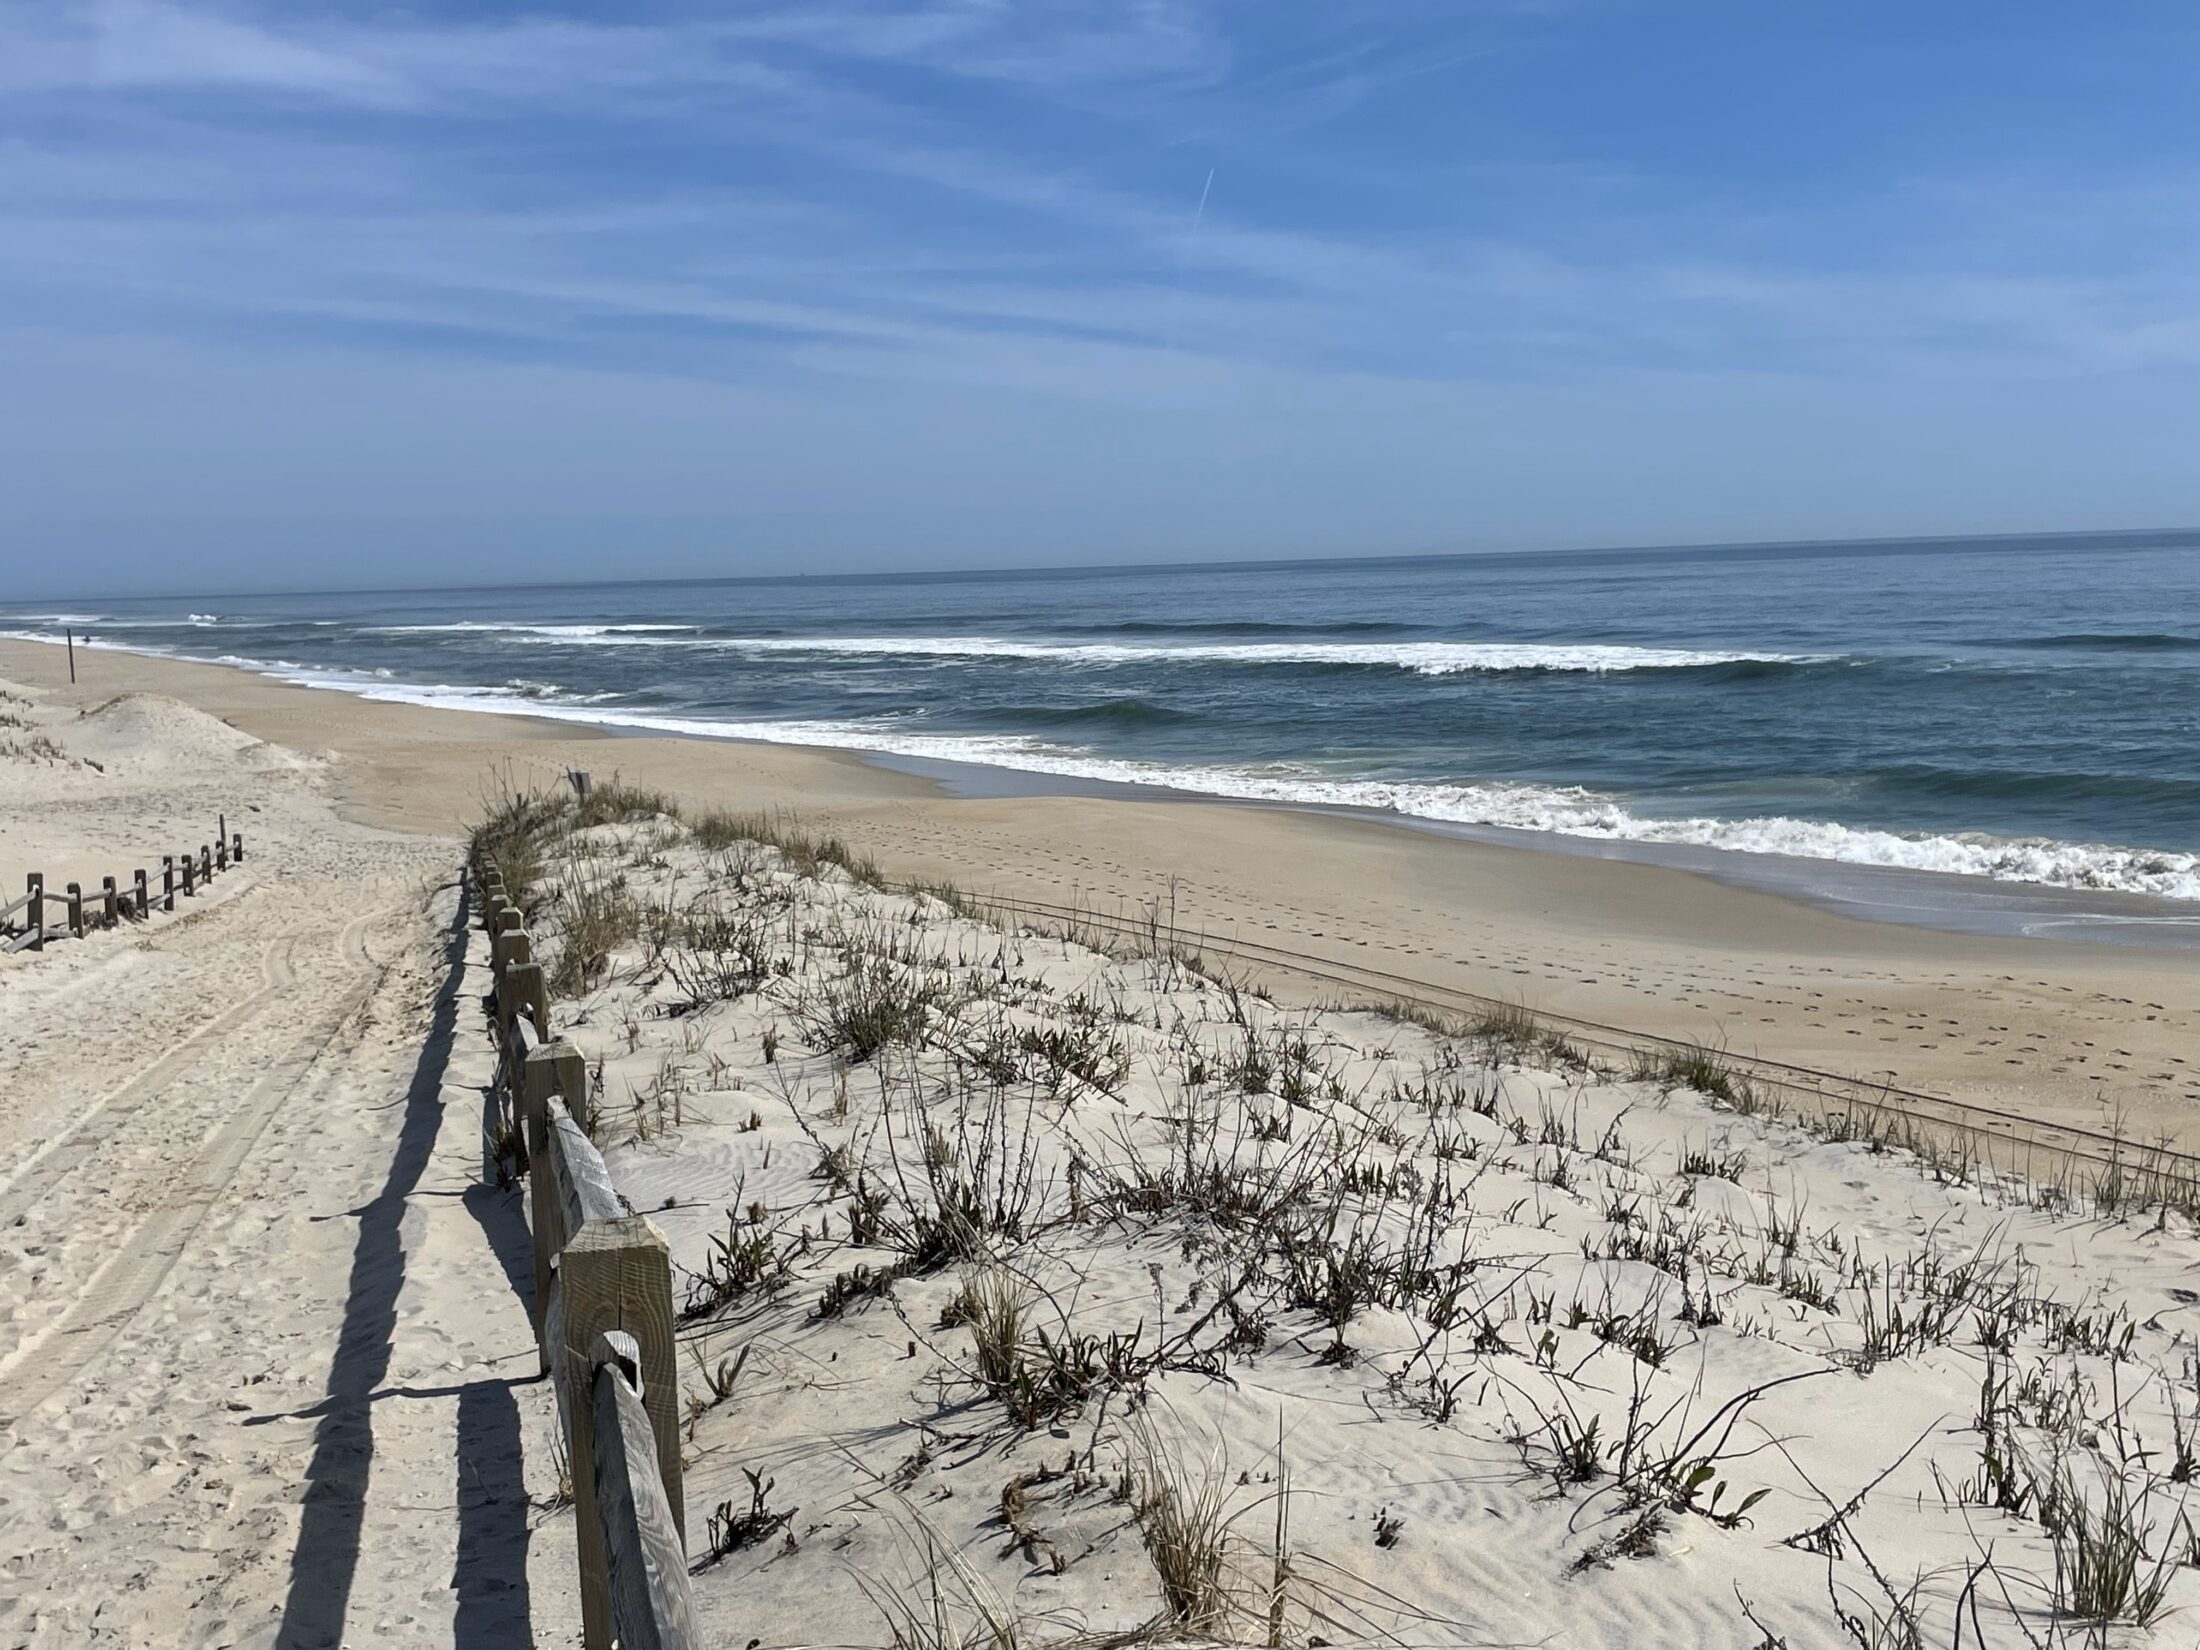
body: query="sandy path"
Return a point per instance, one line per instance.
(264, 1375)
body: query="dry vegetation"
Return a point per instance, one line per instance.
(1038, 1294)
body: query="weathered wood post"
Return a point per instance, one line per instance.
(190, 876)
(521, 984)
(615, 1275)
(35, 885)
(651, 1607)
(236, 847)
(221, 840)
(107, 888)
(144, 908)
(76, 911)
(167, 882)
(555, 1069)
(206, 863)
(509, 941)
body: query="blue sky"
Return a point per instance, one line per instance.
(299, 295)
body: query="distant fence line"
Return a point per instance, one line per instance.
(113, 904)
(603, 1315)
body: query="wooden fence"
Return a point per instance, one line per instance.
(603, 1316)
(112, 905)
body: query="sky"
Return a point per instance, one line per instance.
(297, 296)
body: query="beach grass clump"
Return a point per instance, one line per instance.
(873, 1004)
(977, 1188)
(1699, 1067)
(615, 802)
(715, 952)
(597, 914)
(811, 853)
(991, 1306)
(1182, 1506)
(512, 836)
(2107, 1566)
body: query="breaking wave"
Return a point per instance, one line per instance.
(1562, 810)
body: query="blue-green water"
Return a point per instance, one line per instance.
(2025, 709)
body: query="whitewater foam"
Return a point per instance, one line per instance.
(1561, 810)
(1424, 658)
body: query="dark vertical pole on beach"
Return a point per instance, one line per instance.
(76, 911)
(110, 916)
(167, 882)
(37, 886)
(71, 635)
(143, 906)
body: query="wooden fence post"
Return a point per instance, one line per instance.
(651, 1606)
(553, 1069)
(615, 1274)
(167, 882)
(76, 911)
(206, 863)
(107, 888)
(138, 890)
(221, 840)
(236, 847)
(190, 876)
(36, 884)
(509, 942)
(522, 983)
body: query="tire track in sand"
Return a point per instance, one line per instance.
(118, 1290)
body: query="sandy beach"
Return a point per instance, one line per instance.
(2079, 1033)
(271, 1379)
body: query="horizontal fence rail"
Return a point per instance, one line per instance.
(2006, 1141)
(45, 915)
(603, 1313)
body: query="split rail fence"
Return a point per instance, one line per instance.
(45, 915)
(603, 1316)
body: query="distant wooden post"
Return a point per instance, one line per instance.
(206, 863)
(143, 909)
(615, 1275)
(167, 882)
(35, 884)
(221, 839)
(190, 877)
(236, 847)
(107, 887)
(76, 911)
(71, 636)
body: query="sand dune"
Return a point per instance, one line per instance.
(1005, 1256)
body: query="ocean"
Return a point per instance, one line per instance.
(2020, 709)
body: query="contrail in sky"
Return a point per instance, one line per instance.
(1200, 216)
